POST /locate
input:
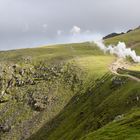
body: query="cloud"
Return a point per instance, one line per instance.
(98, 16)
(59, 32)
(75, 30)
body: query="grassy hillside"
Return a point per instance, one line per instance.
(126, 127)
(81, 53)
(36, 84)
(102, 102)
(107, 108)
(67, 92)
(132, 39)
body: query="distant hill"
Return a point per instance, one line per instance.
(117, 34)
(112, 35)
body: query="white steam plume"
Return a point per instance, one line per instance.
(120, 50)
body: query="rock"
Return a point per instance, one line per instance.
(117, 81)
(39, 106)
(5, 128)
(14, 66)
(27, 59)
(46, 98)
(31, 82)
(3, 93)
(81, 113)
(137, 98)
(37, 103)
(119, 117)
(4, 97)
(10, 83)
(21, 72)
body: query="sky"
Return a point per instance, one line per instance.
(32, 23)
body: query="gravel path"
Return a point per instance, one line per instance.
(121, 63)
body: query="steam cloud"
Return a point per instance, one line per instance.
(120, 50)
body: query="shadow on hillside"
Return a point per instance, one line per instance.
(50, 126)
(74, 105)
(101, 102)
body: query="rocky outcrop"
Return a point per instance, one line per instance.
(117, 81)
(37, 103)
(29, 91)
(4, 128)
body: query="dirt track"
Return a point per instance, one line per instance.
(121, 63)
(118, 63)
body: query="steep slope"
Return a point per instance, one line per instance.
(107, 99)
(67, 92)
(107, 108)
(36, 84)
(124, 127)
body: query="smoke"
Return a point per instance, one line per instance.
(120, 50)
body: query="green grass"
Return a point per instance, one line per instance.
(84, 97)
(64, 51)
(90, 115)
(132, 39)
(96, 107)
(81, 53)
(95, 65)
(88, 62)
(126, 128)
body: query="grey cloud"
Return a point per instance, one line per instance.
(29, 23)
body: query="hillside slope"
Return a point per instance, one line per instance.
(107, 108)
(36, 84)
(132, 39)
(102, 102)
(67, 92)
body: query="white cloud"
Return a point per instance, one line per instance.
(45, 26)
(59, 32)
(75, 30)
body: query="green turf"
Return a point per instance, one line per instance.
(83, 97)
(71, 58)
(127, 128)
(91, 114)
(96, 107)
